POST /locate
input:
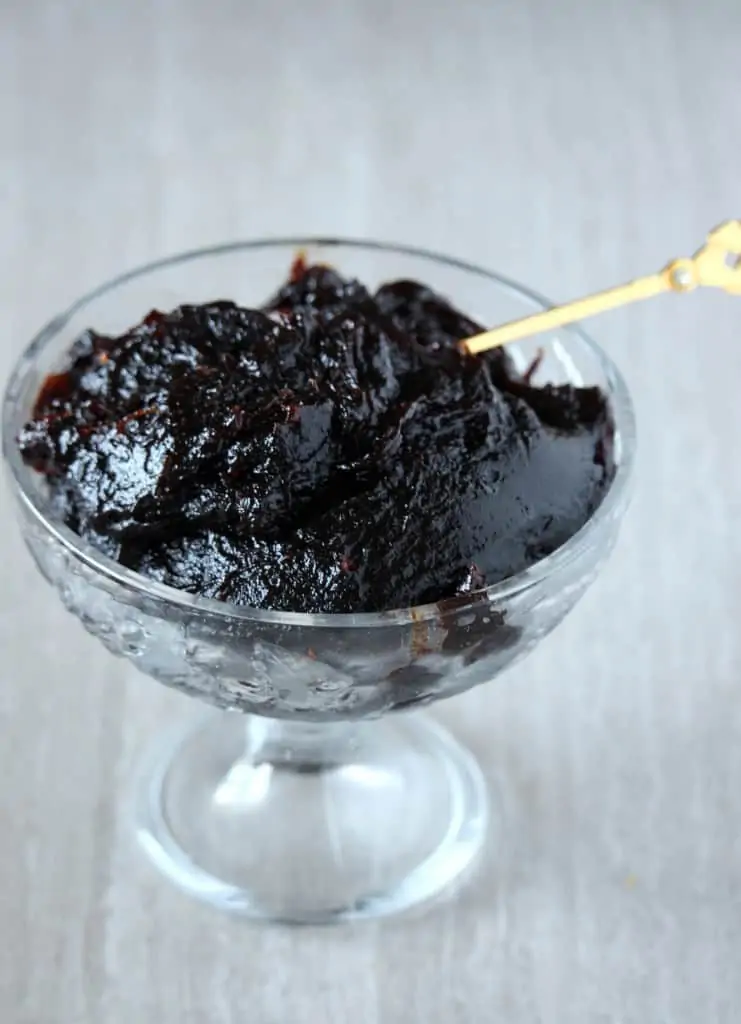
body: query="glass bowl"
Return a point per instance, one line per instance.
(301, 799)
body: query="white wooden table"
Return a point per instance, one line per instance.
(571, 145)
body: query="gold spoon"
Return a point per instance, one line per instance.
(716, 265)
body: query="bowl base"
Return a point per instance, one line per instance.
(312, 824)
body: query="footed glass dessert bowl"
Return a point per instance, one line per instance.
(303, 795)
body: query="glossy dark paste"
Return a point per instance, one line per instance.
(331, 451)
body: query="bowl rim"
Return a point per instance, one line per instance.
(30, 498)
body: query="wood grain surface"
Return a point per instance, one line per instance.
(571, 145)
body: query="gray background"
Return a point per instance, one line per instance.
(572, 145)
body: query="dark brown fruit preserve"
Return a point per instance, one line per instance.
(329, 452)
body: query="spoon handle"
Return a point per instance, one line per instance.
(717, 264)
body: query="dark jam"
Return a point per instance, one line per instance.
(330, 452)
